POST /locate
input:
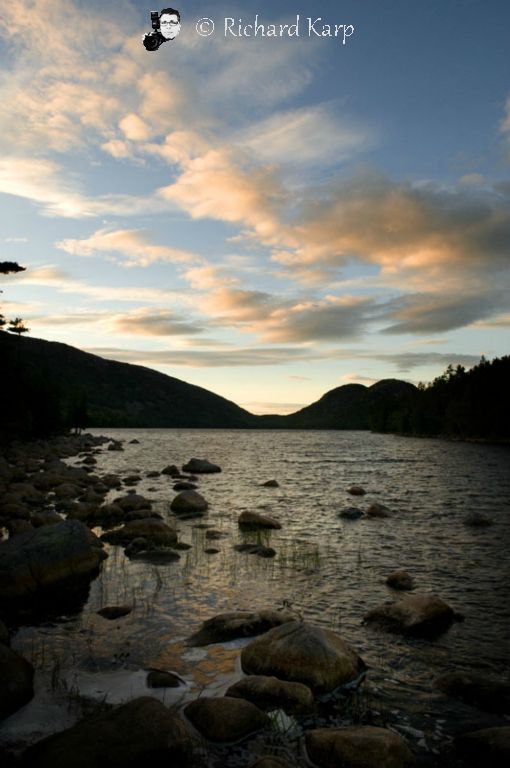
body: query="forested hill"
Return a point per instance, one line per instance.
(471, 404)
(47, 384)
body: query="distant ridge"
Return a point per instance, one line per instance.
(46, 383)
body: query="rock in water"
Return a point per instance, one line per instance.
(225, 719)
(16, 681)
(351, 513)
(154, 531)
(356, 490)
(421, 615)
(271, 484)
(360, 746)
(489, 747)
(378, 510)
(230, 626)
(142, 732)
(400, 580)
(269, 693)
(303, 653)
(252, 521)
(47, 556)
(200, 467)
(486, 694)
(113, 612)
(189, 503)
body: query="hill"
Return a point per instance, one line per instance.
(49, 383)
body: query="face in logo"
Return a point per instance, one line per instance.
(169, 23)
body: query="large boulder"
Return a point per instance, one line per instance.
(230, 626)
(486, 694)
(225, 719)
(154, 531)
(488, 747)
(46, 557)
(303, 653)
(132, 502)
(16, 681)
(142, 732)
(359, 746)
(416, 614)
(189, 504)
(250, 521)
(200, 467)
(269, 693)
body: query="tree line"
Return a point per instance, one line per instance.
(16, 325)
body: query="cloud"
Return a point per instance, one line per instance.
(153, 322)
(132, 245)
(15, 239)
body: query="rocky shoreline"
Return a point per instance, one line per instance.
(293, 672)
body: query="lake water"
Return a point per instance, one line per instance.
(328, 570)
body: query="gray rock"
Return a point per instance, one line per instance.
(142, 732)
(359, 746)
(225, 719)
(416, 614)
(46, 557)
(303, 653)
(230, 626)
(252, 520)
(16, 681)
(189, 503)
(270, 693)
(201, 467)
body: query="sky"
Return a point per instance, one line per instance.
(266, 216)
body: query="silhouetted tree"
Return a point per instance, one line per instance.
(2, 322)
(17, 326)
(6, 267)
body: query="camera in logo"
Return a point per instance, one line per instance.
(165, 25)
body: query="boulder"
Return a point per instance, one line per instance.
(351, 513)
(200, 467)
(183, 485)
(114, 446)
(67, 491)
(401, 580)
(230, 626)
(132, 502)
(142, 732)
(45, 518)
(171, 470)
(416, 614)
(189, 503)
(111, 481)
(477, 520)
(378, 510)
(356, 490)
(303, 653)
(486, 694)
(47, 556)
(112, 612)
(225, 719)
(252, 520)
(271, 484)
(154, 473)
(358, 746)
(160, 678)
(488, 747)
(16, 681)
(269, 693)
(152, 530)
(134, 442)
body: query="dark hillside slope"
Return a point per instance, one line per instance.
(115, 394)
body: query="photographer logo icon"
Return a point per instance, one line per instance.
(165, 25)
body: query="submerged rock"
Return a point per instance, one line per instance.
(255, 549)
(152, 530)
(489, 695)
(16, 681)
(230, 626)
(351, 513)
(184, 485)
(189, 503)
(488, 747)
(356, 490)
(303, 653)
(269, 693)
(47, 556)
(271, 484)
(417, 614)
(252, 520)
(142, 732)
(401, 580)
(359, 746)
(200, 467)
(112, 612)
(477, 520)
(225, 719)
(378, 510)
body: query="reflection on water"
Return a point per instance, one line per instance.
(328, 570)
